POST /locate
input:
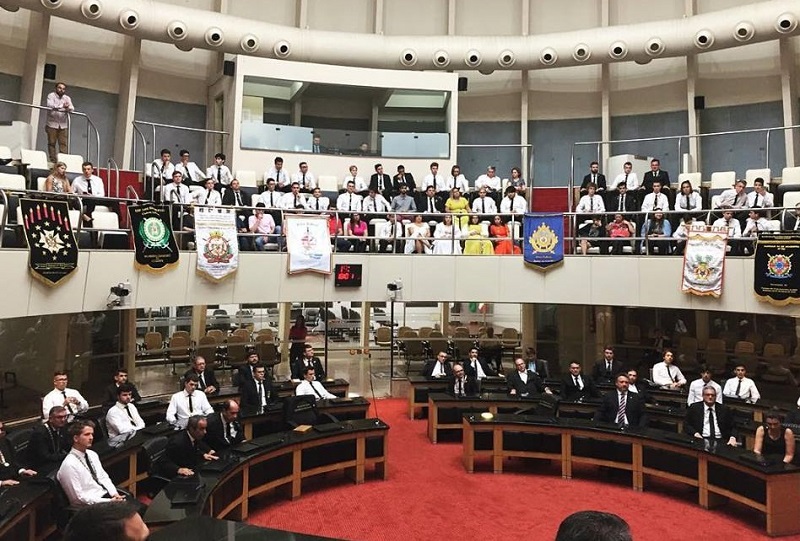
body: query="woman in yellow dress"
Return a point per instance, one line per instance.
(456, 204)
(476, 243)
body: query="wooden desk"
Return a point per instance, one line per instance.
(718, 473)
(35, 519)
(272, 420)
(419, 387)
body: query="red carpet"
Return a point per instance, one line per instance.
(429, 496)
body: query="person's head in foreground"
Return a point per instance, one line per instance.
(593, 526)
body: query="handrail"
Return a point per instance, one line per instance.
(4, 219)
(109, 163)
(183, 128)
(144, 150)
(521, 146)
(128, 190)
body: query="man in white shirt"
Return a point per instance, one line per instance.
(294, 199)
(741, 386)
(187, 403)
(193, 176)
(697, 386)
(161, 170)
(434, 179)
(317, 201)
(389, 234)
(655, 199)
(310, 386)
(88, 184)
(513, 203)
(81, 475)
(627, 176)
(489, 180)
(375, 203)
(305, 178)
(755, 222)
(61, 395)
(176, 193)
(210, 196)
(733, 198)
(59, 105)
(734, 231)
(219, 171)
(349, 201)
(476, 367)
(277, 172)
(666, 375)
(360, 183)
(457, 180)
(591, 203)
(483, 205)
(760, 197)
(123, 417)
(271, 197)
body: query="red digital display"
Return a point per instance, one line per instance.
(347, 275)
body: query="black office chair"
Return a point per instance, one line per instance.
(547, 407)
(302, 410)
(152, 452)
(19, 440)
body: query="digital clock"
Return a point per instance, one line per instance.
(347, 275)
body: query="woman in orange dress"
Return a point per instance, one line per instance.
(503, 245)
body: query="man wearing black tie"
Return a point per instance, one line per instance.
(308, 359)
(462, 384)
(10, 469)
(404, 178)
(594, 177)
(223, 430)
(207, 381)
(622, 407)
(710, 420)
(235, 197)
(522, 382)
(381, 183)
(316, 145)
(621, 200)
(310, 386)
(575, 385)
(62, 395)
(187, 450)
(257, 392)
(606, 368)
(655, 174)
(431, 204)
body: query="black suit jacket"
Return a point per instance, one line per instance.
(601, 183)
(427, 370)
(422, 204)
(388, 186)
(46, 452)
(612, 203)
(215, 433)
(789, 221)
(298, 364)
(209, 378)
(111, 395)
(695, 416)
(243, 373)
(600, 373)
(409, 181)
(570, 391)
(542, 368)
(647, 181)
(180, 453)
(12, 470)
(470, 385)
(249, 393)
(534, 384)
(474, 373)
(229, 199)
(634, 409)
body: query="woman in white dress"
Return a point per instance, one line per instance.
(447, 237)
(418, 233)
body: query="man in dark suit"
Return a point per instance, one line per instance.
(621, 200)
(621, 406)
(48, 444)
(709, 420)
(381, 183)
(223, 429)
(317, 147)
(596, 177)
(606, 369)
(522, 382)
(245, 371)
(256, 392)
(431, 204)
(120, 377)
(206, 380)
(575, 385)
(308, 359)
(10, 469)
(791, 220)
(404, 178)
(535, 364)
(235, 197)
(635, 386)
(186, 450)
(438, 367)
(476, 367)
(462, 384)
(655, 173)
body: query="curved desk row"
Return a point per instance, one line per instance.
(717, 471)
(284, 461)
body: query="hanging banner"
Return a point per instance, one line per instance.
(775, 280)
(704, 261)
(543, 236)
(52, 249)
(308, 242)
(217, 242)
(154, 245)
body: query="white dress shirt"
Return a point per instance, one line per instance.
(459, 182)
(655, 200)
(517, 205)
(281, 177)
(663, 376)
(220, 173)
(590, 205)
(190, 171)
(696, 391)
(630, 180)
(291, 201)
(361, 185)
(492, 183)
(484, 205)
(56, 398)
(385, 230)
(181, 191)
(480, 374)
(307, 181)
(691, 201)
(439, 182)
(160, 169)
(349, 202)
(118, 421)
(747, 390)
(438, 370)
(733, 225)
(318, 203)
(752, 227)
(178, 411)
(272, 199)
(76, 479)
(706, 427)
(681, 232)
(80, 185)
(375, 204)
(729, 198)
(212, 198)
(313, 388)
(755, 199)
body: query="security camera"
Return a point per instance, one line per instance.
(121, 289)
(119, 296)
(391, 286)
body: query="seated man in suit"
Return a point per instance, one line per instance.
(522, 382)
(206, 380)
(594, 177)
(606, 368)
(10, 469)
(431, 204)
(462, 384)
(477, 368)
(245, 371)
(655, 174)
(635, 387)
(709, 420)
(438, 367)
(621, 200)
(308, 359)
(186, 450)
(120, 377)
(576, 386)
(223, 429)
(48, 444)
(622, 407)
(538, 366)
(257, 392)
(791, 220)
(666, 375)
(311, 386)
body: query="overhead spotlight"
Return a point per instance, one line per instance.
(441, 59)
(786, 23)
(92, 9)
(704, 39)
(506, 59)
(214, 36)
(581, 53)
(618, 50)
(473, 58)
(548, 56)
(282, 49)
(129, 19)
(177, 30)
(744, 31)
(408, 57)
(654, 47)
(249, 43)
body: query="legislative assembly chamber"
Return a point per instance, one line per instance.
(399, 269)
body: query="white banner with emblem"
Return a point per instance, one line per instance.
(308, 241)
(704, 261)
(217, 243)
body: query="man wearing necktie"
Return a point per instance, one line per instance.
(48, 445)
(740, 386)
(575, 385)
(206, 378)
(316, 145)
(81, 475)
(462, 384)
(655, 174)
(257, 392)
(123, 417)
(476, 367)
(710, 420)
(308, 360)
(310, 386)
(187, 450)
(188, 402)
(61, 395)
(607, 368)
(223, 430)
(235, 197)
(622, 407)
(10, 468)
(594, 177)
(666, 375)
(219, 172)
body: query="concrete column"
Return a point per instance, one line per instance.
(789, 95)
(128, 342)
(528, 325)
(693, 116)
(605, 98)
(297, 112)
(379, 10)
(524, 136)
(33, 72)
(198, 322)
(126, 105)
(365, 319)
(301, 16)
(373, 126)
(444, 316)
(451, 17)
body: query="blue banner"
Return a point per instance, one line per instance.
(543, 239)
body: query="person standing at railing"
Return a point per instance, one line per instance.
(59, 107)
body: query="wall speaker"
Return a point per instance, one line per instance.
(699, 103)
(229, 68)
(462, 84)
(50, 72)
